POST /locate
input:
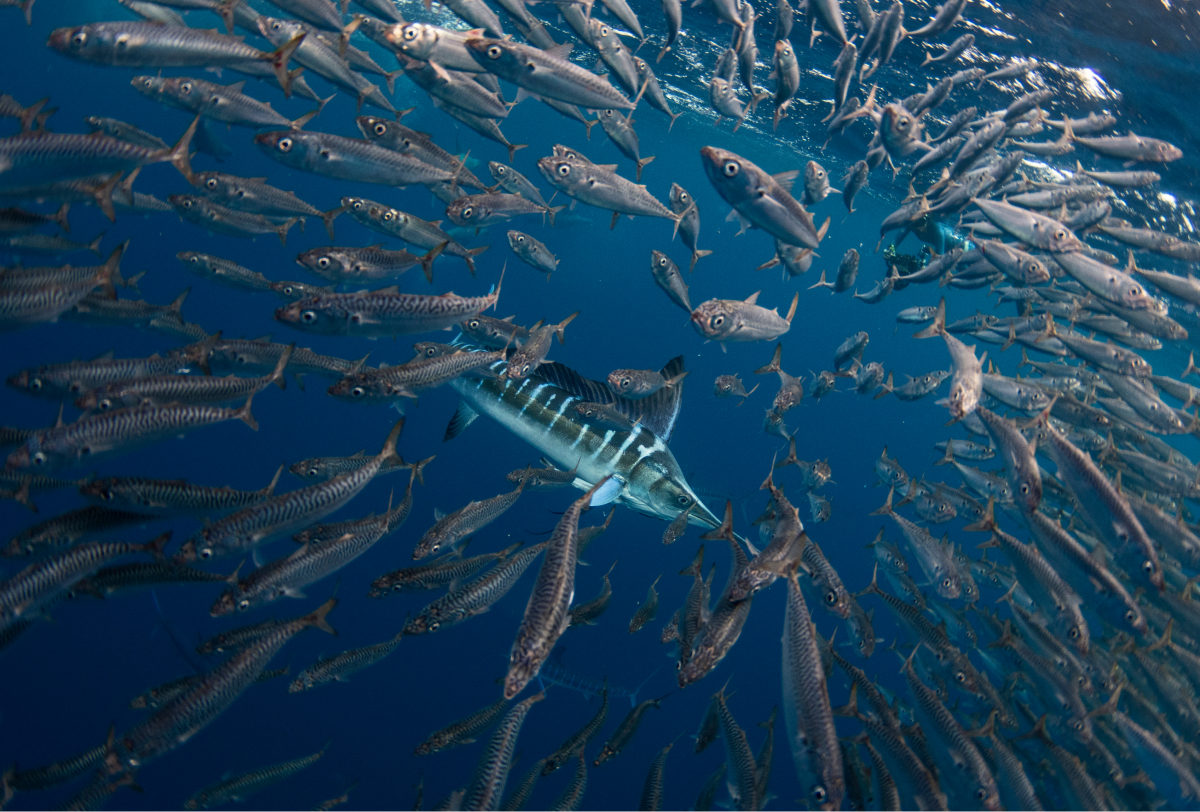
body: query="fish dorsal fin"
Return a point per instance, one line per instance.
(562, 51)
(657, 412)
(786, 179)
(438, 514)
(753, 297)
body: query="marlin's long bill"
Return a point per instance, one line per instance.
(538, 409)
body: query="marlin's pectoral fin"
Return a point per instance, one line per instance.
(607, 493)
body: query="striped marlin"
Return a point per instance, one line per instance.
(538, 409)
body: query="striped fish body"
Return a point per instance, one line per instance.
(57, 773)
(230, 355)
(283, 514)
(20, 307)
(453, 527)
(323, 468)
(172, 496)
(579, 739)
(487, 784)
(381, 313)
(239, 787)
(44, 157)
(585, 613)
(447, 570)
(40, 584)
(403, 226)
(67, 528)
(715, 639)
(474, 597)
(222, 220)
(572, 795)
(238, 638)
(187, 714)
(326, 533)
(220, 102)
(142, 575)
(341, 666)
(652, 789)
(540, 412)
(406, 380)
(806, 711)
(464, 730)
(353, 159)
(116, 432)
(134, 44)
(395, 136)
(289, 575)
(625, 731)
(739, 757)
(164, 389)
(548, 611)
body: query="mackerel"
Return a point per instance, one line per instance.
(413, 230)
(285, 513)
(450, 569)
(175, 723)
(116, 432)
(385, 312)
(463, 731)
(238, 787)
(487, 784)
(547, 614)
(450, 528)
(342, 158)
(225, 271)
(474, 597)
(580, 738)
(339, 667)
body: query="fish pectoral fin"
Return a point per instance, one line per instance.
(463, 417)
(292, 592)
(607, 493)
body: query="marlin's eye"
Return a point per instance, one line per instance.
(683, 500)
(285, 144)
(494, 52)
(380, 128)
(323, 262)
(731, 168)
(308, 316)
(564, 170)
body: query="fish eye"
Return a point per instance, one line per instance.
(211, 183)
(35, 385)
(521, 239)
(308, 316)
(388, 216)
(493, 52)
(275, 26)
(818, 794)
(410, 34)
(1073, 633)
(79, 40)
(289, 290)
(960, 677)
(1130, 616)
(604, 30)
(946, 582)
(564, 170)
(436, 546)
(285, 144)
(625, 382)
(683, 500)
(357, 205)
(357, 391)
(981, 793)
(323, 262)
(243, 605)
(105, 404)
(312, 472)
(433, 627)
(716, 321)
(380, 128)
(206, 553)
(473, 324)
(39, 458)
(467, 212)
(731, 168)
(1148, 566)
(831, 597)
(1024, 489)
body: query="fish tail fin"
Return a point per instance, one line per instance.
(60, 217)
(270, 489)
(695, 568)
(988, 523)
(887, 388)
(327, 217)
(179, 155)
(110, 272)
(428, 258)
(725, 531)
(156, 545)
(822, 283)
(512, 148)
(276, 376)
(317, 618)
(948, 457)
(553, 210)
(873, 587)
(283, 229)
(641, 164)
(102, 195)
(850, 709)
(299, 123)
(792, 310)
(697, 255)
(886, 510)
(388, 453)
(279, 60)
(939, 323)
(588, 124)
(775, 361)
(245, 415)
(1191, 366)
(418, 468)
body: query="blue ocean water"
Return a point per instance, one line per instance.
(65, 682)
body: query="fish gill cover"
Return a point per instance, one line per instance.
(225, 443)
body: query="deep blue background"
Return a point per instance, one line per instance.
(64, 682)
